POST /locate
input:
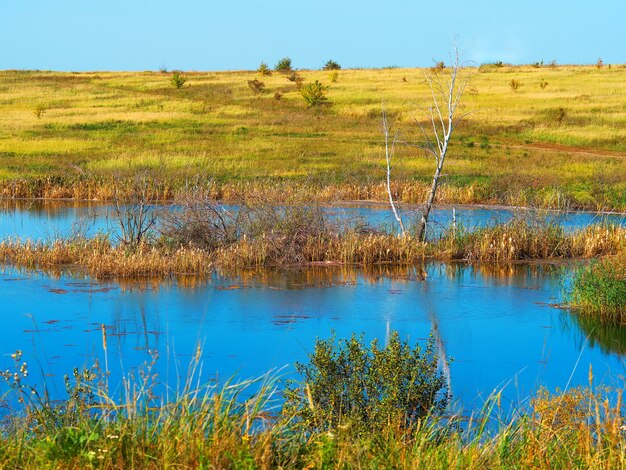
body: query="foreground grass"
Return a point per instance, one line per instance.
(516, 241)
(77, 134)
(221, 428)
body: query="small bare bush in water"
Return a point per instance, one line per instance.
(136, 217)
(284, 230)
(201, 222)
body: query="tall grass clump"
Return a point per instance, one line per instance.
(598, 290)
(525, 239)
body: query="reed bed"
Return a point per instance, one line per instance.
(524, 240)
(106, 189)
(100, 259)
(515, 241)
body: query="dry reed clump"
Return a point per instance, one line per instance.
(521, 239)
(101, 259)
(601, 239)
(345, 248)
(410, 192)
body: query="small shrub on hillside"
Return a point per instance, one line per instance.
(178, 80)
(556, 116)
(283, 65)
(331, 65)
(257, 86)
(348, 385)
(264, 70)
(438, 67)
(537, 65)
(296, 78)
(514, 84)
(314, 93)
(40, 110)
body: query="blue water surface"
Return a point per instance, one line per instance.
(499, 325)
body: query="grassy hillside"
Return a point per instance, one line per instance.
(60, 132)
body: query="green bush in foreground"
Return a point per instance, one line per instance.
(599, 289)
(367, 389)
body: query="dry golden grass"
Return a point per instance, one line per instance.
(73, 135)
(100, 259)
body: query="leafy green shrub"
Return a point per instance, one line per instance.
(264, 70)
(314, 93)
(257, 86)
(283, 65)
(177, 79)
(331, 65)
(348, 385)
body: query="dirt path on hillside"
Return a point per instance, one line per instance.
(559, 148)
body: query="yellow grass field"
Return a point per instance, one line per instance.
(75, 134)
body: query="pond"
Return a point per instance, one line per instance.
(499, 325)
(39, 221)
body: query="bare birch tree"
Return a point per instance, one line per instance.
(390, 146)
(446, 89)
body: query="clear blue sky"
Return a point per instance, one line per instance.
(239, 34)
